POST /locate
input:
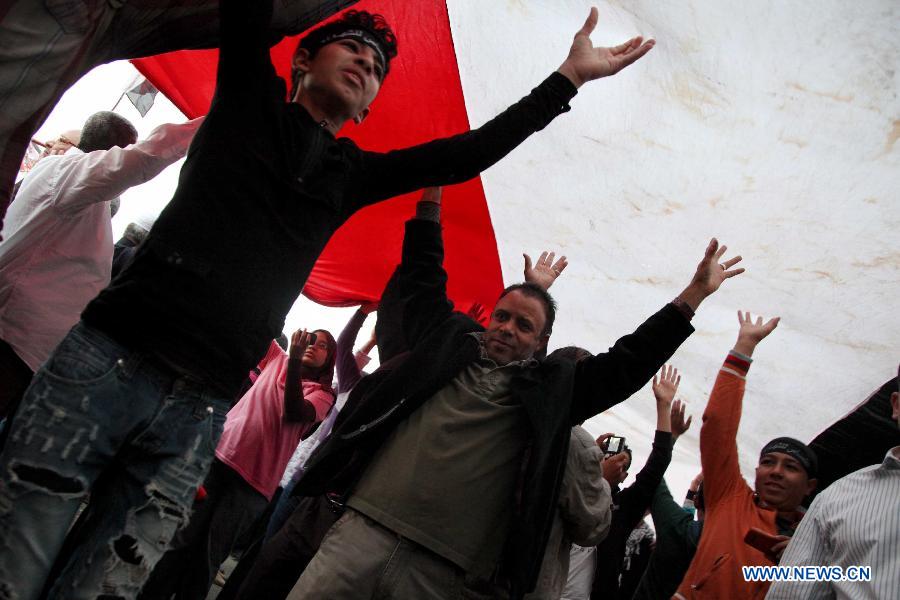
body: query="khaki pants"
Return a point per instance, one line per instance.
(360, 559)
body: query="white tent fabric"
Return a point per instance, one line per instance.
(772, 126)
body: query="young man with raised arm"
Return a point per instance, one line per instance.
(784, 476)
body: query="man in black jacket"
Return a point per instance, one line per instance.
(451, 463)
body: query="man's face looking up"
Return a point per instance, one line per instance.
(516, 330)
(342, 78)
(782, 482)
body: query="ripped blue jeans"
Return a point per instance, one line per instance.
(99, 418)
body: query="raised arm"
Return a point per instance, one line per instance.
(669, 518)
(104, 174)
(718, 435)
(245, 70)
(634, 500)
(464, 156)
(348, 373)
(604, 380)
(296, 407)
(423, 280)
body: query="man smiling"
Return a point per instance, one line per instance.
(784, 476)
(451, 462)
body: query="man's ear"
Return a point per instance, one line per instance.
(895, 403)
(301, 60)
(811, 484)
(545, 339)
(358, 119)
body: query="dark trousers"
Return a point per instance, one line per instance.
(283, 558)
(14, 379)
(230, 508)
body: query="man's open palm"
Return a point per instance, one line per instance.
(586, 62)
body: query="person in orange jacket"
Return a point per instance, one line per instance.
(784, 476)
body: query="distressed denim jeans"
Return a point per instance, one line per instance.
(99, 418)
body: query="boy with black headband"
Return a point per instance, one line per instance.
(784, 476)
(131, 404)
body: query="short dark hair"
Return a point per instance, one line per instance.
(571, 353)
(104, 130)
(373, 24)
(532, 290)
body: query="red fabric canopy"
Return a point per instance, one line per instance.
(421, 99)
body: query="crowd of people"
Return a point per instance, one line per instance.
(158, 421)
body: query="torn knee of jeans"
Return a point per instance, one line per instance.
(125, 548)
(168, 507)
(48, 479)
(149, 530)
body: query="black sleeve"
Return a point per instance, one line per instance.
(604, 380)
(423, 280)
(297, 408)
(348, 373)
(245, 71)
(634, 500)
(455, 159)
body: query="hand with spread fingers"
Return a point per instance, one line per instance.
(665, 385)
(710, 274)
(586, 62)
(545, 271)
(752, 333)
(477, 312)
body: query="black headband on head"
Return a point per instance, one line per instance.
(795, 449)
(363, 36)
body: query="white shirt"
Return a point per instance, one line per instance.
(582, 568)
(854, 522)
(57, 246)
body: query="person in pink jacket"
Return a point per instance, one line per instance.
(289, 398)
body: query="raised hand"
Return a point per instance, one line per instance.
(751, 333)
(545, 272)
(666, 384)
(679, 425)
(477, 312)
(586, 62)
(368, 307)
(710, 274)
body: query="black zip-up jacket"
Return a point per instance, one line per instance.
(261, 192)
(556, 395)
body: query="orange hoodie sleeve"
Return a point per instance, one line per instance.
(718, 436)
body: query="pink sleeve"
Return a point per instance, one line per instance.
(322, 401)
(273, 351)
